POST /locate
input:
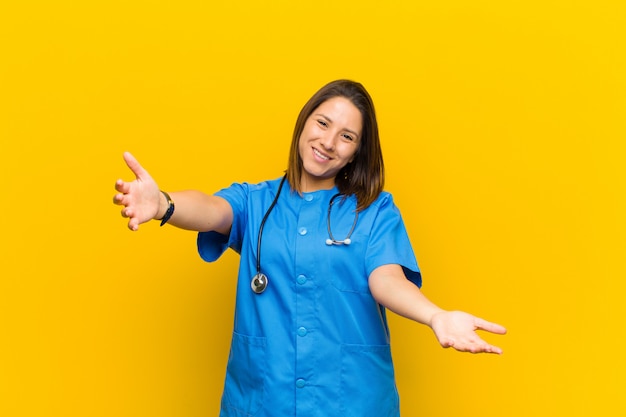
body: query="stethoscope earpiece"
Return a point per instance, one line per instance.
(346, 242)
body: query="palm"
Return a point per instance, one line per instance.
(457, 329)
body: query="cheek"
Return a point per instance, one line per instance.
(353, 155)
(301, 145)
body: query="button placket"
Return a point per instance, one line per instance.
(306, 304)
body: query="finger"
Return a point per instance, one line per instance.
(489, 326)
(480, 346)
(487, 348)
(494, 349)
(118, 199)
(122, 186)
(133, 224)
(135, 166)
(447, 343)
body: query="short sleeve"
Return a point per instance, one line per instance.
(389, 242)
(211, 245)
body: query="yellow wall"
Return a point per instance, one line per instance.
(503, 126)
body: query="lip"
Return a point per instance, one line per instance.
(316, 154)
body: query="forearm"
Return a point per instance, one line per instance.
(195, 210)
(454, 329)
(392, 289)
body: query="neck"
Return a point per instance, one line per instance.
(308, 185)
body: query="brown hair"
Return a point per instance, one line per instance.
(365, 175)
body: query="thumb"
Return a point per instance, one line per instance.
(490, 327)
(135, 166)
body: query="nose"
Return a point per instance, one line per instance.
(328, 141)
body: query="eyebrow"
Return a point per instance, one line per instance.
(331, 121)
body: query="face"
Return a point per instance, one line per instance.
(328, 142)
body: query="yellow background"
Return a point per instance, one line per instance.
(504, 136)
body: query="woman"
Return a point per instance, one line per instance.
(323, 251)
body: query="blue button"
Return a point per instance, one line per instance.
(308, 197)
(300, 383)
(301, 279)
(302, 231)
(302, 331)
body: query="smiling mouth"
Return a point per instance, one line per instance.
(320, 155)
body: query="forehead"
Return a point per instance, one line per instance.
(342, 111)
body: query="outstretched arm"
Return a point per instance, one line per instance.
(194, 210)
(456, 329)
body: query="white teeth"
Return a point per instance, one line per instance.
(320, 155)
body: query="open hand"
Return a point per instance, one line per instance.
(457, 329)
(140, 198)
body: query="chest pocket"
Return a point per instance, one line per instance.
(346, 265)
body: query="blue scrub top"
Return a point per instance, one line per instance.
(315, 343)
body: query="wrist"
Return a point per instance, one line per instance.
(162, 208)
(434, 315)
(166, 208)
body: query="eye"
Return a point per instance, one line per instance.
(347, 137)
(322, 123)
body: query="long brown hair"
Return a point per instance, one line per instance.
(365, 175)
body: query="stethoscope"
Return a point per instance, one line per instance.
(259, 280)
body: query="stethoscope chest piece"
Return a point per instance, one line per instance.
(258, 283)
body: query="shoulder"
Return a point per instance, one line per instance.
(383, 201)
(265, 186)
(383, 209)
(248, 199)
(247, 188)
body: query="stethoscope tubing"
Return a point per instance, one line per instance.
(260, 281)
(267, 213)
